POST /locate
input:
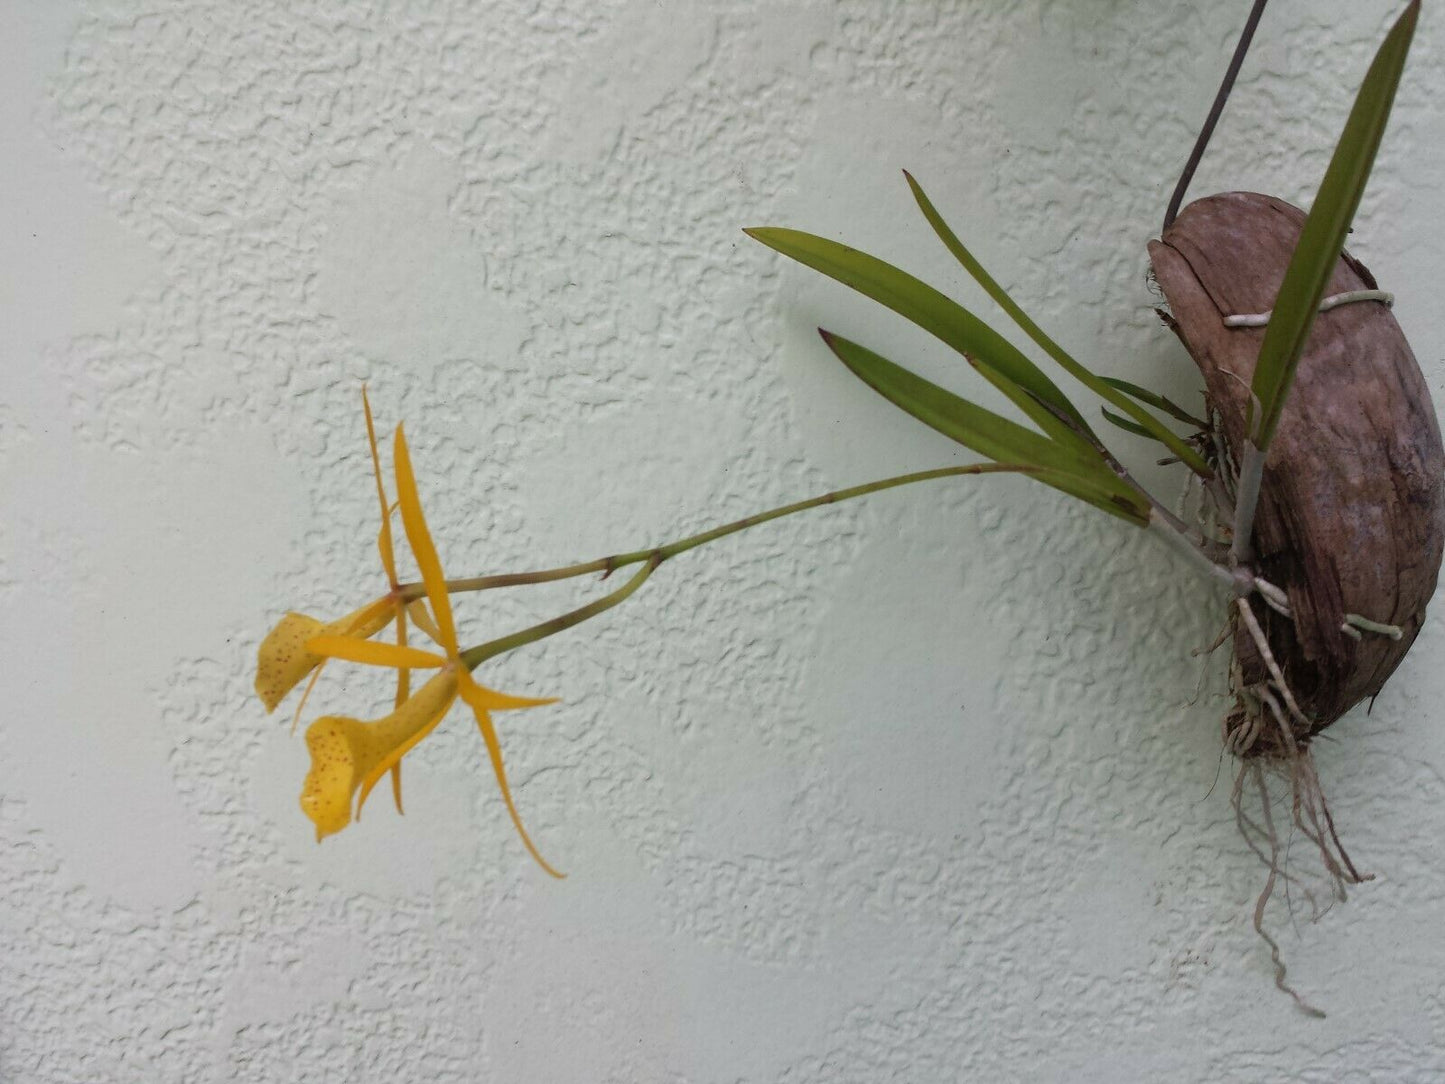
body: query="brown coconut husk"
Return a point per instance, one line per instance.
(1351, 515)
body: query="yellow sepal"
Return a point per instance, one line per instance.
(383, 538)
(413, 520)
(476, 697)
(422, 619)
(373, 653)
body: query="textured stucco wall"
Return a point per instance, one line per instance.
(912, 790)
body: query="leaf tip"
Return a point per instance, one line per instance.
(1405, 24)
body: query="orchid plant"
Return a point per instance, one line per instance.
(1059, 448)
(349, 756)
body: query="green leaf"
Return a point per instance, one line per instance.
(992, 435)
(1323, 236)
(1126, 425)
(1154, 399)
(1004, 365)
(1100, 386)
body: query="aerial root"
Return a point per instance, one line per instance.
(1215, 644)
(1312, 781)
(1280, 971)
(1353, 625)
(1267, 730)
(1306, 799)
(1261, 319)
(1309, 814)
(1257, 634)
(1272, 700)
(1254, 832)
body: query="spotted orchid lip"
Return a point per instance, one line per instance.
(349, 756)
(285, 658)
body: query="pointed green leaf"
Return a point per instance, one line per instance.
(1061, 466)
(1004, 364)
(1127, 425)
(1323, 236)
(1154, 399)
(1095, 383)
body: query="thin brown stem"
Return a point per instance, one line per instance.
(474, 657)
(608, 565)
(652, 558)
(412, 591)
(1215, 111)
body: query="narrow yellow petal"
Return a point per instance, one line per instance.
(403, 691)
(414, 521)
(348, 754)
(367, 621)
(492, 700)
(383, 540)
(388, 553)
(403, 676)
(423, 620)
(306, 695)
(470, 691)
(372, 653)
(396, 787)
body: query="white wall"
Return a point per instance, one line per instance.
(912, 790)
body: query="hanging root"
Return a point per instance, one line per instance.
(1280, 971)
(1266, 729)
(1269, 734)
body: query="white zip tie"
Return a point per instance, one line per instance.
(1260, 319)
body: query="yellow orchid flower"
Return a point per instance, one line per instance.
(283, 660)
(348, 755)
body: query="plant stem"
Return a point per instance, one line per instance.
(475, 656)
(1246, 500)
(1198, 559)
(516, 579)
(652, 558)
(1231, 73)
(1157, 511)
(410, 592)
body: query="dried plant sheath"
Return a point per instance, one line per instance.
(1351, 514)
